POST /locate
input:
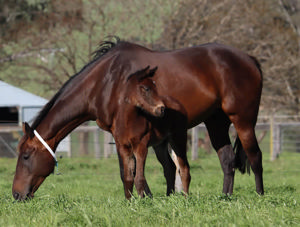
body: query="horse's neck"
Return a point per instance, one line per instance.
(76, 104)
(65, 115)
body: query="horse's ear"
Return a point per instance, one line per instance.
(27, 130)
(145, 69)
(138, 74)
(143, 73)
(152, 72)
(147, 73)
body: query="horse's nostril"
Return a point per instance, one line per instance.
(16, 195)
(160, 111)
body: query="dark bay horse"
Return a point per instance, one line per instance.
(142, 119)
(135, 129)
(216, 84)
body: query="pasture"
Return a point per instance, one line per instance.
(89, 192)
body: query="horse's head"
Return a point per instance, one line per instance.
(34, 164)
(142, 93)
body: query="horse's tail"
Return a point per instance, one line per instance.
(241, 160)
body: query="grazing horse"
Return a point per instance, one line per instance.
(142, 119)
(216, 84)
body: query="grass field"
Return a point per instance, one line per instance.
(89, 192)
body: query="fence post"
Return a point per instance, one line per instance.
(271, 137)
(275, 145)
(107, 145)
(195, 143)
(68, 138)
(97, 144)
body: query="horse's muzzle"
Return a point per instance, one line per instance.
(17, 196)
(160, 111)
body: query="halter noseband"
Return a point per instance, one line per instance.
(46, 145)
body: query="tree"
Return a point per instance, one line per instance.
(29, 36)
(261, 28)
(55, 38)
(61, 41)
(60, 38)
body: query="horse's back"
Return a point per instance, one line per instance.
(203, 78)
(211, 76)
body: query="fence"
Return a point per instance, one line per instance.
(84, 140)
(200, 139)
(275, 135)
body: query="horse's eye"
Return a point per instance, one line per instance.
(145, 88)
(26, 156)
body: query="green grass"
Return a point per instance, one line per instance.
(90, 193)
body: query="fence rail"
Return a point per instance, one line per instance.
(274, 137)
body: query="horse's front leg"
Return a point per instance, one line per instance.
(127, 169)
(140, 153)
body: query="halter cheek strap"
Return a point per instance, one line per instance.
(46, 145)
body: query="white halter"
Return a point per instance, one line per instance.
(46, 145)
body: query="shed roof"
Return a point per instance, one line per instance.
(13, 96)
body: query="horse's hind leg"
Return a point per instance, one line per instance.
(245, 130)
(178, 143)
(217, 126)
(163, 156)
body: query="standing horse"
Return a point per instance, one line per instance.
(142, 119)
(135, 129)
(216, 84)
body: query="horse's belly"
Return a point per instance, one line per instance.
(199, 109)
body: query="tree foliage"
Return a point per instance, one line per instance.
(264, 29)
(44, 42)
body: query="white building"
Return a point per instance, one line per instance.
(17, 106)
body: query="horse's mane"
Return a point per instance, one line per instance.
(103, 48)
